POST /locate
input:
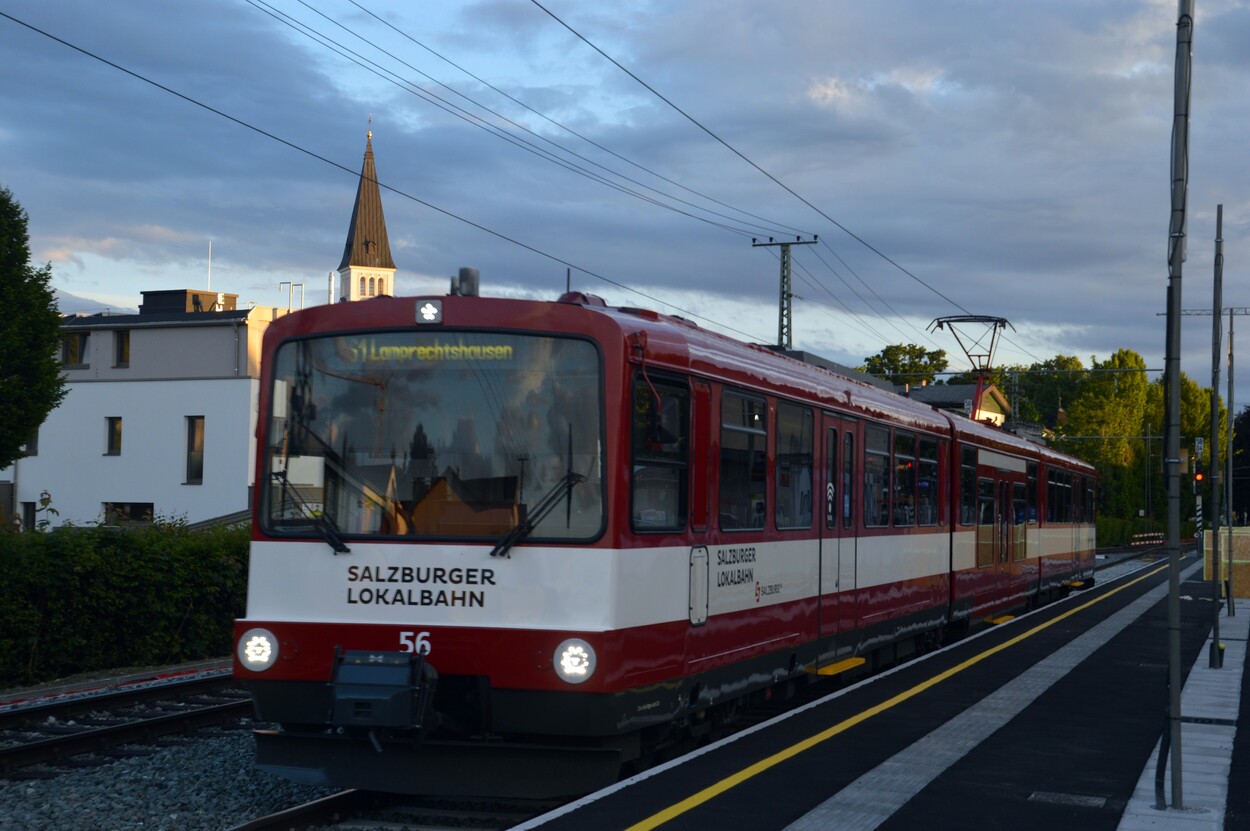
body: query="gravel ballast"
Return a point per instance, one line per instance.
(205, 784)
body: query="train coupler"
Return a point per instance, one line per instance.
(382, 690)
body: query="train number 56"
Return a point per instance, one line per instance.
(415, 642)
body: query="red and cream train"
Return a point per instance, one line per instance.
(505, 546)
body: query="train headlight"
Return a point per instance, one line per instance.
(575, 660)
(258, 649)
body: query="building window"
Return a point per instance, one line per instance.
(121, 348)
(362, 286)
(195, 450)
(381, 285)
(113, 436)
(128, 513)
(74, 349)
(28, 516)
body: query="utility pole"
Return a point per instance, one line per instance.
(1216, 657)
(1228, 456)
(1172, 400)
(1232, 311)
(785, 317)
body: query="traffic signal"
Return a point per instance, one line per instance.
(1199, 476)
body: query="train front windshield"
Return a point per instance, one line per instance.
(435, 434)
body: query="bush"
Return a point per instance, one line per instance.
(83, 599)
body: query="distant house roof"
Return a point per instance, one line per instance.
(167, 306)
(954, 396)
(108, 321)
(367, 244)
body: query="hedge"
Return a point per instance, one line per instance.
(83, 599)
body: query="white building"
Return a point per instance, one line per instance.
(159, 419)
(160, 416)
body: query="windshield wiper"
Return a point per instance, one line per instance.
(322, 523)
(563, 488)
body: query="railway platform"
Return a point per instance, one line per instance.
(1051, 720)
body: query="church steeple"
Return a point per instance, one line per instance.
(367, 269)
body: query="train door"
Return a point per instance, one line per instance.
(993, 533)
(1016, 577)
(837, 545)
(1001, 541)
(700, 458)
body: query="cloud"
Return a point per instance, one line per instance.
(1008, 159)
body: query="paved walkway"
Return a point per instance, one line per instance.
(1210, 702)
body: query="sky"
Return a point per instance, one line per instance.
(1000, 158)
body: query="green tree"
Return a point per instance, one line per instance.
(999, 377)
(1106, 420)
(1241, 468)
(1050, 387)
(1111, 404)
(31, 385)
(906, 363)
(1195, 422)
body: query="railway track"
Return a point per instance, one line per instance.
(40, 734)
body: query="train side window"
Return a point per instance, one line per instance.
(848, 480)
(1052, 497)
(904, 478)
(927, 482)
(968, 486)
(661, 447)
(793, 483)
(743, 461)
(876, 476)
